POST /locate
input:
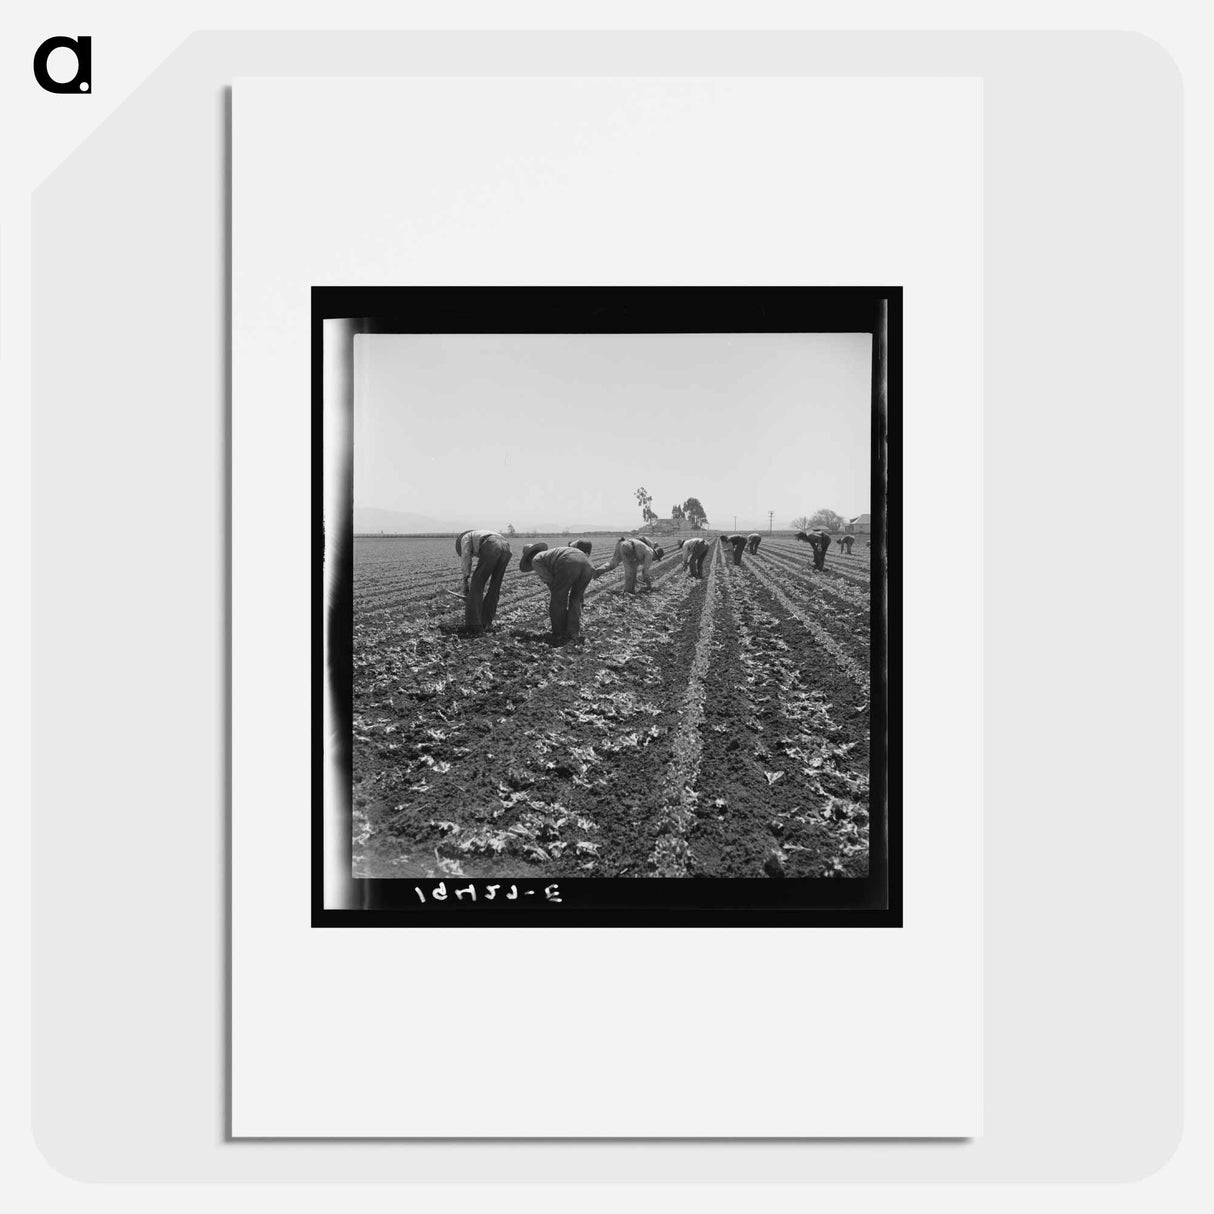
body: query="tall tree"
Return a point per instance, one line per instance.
(694, 513)
(802, 524)
(827, 520)
(676, 512)
(644, 500)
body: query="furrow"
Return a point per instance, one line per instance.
(671, 853)
(848, 664)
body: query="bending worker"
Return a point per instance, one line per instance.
(654, 545)
(567, 572)
(633, 552)
(738, 543)
(694, 552)
(819, 541)
(752, 542)
(482, 588)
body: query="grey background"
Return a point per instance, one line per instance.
(1082, 616)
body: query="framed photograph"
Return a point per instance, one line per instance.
(607, 313)
(607, 609)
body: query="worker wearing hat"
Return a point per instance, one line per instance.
(819, 541)
(634, 553)
(567, 572)
(482, 588)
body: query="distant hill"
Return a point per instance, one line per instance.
(369, 519)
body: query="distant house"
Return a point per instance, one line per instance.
(664, 526)
(862, 524)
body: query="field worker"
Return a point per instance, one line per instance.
(738, 543)
(568, 572)
(582, 546)
(846, 542)
(482, 588)
(634, 553)
(819, 541)
(658, 552)
(694, 552)
(752, 542)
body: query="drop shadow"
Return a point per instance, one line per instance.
(225, 185)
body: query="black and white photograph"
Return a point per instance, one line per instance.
(607, 623)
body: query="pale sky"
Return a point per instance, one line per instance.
(561, 429)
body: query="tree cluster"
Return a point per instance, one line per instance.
(821, 520)
(691, 511)
(694, 513)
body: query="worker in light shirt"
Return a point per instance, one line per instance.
(635, 553)
(752, 542)
(567, 572)
(482, 588)
(654, 545)
(694, 552)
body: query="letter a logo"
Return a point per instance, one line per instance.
(82, 48)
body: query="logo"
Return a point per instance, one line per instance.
(82, 48)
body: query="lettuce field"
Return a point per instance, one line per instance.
(715, 727)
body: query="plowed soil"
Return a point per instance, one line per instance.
(715, 727)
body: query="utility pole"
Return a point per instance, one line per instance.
(771, 514)
(735, 522)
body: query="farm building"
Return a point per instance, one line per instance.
(860, 525)
(666, 526)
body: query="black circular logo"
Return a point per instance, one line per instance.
(82, 48)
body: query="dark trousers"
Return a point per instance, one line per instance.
(570, 577)
(695, 565)
(633, 564)
(738, 545)
(485, 585)
(820, 554)
(630, 572)
(752, 545)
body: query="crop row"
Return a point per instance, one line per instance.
(803, 574)
(855, 670)
(797, 756)
(527, 702)
(713, 727)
